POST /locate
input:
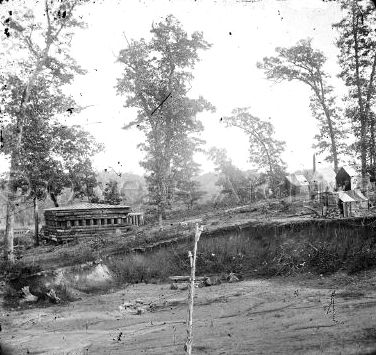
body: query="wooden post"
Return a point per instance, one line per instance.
(192, 259)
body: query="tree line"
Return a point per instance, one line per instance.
(47, 156)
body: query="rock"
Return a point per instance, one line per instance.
(213, 280)
(208, 282)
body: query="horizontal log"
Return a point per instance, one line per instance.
(186, 278)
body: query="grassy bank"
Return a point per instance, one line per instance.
(260, 251)
(248, 250)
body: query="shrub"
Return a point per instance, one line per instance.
(361, 260)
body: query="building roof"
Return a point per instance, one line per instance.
(352, 196)
(297, 180)
(302, 180)
(86, 206)
(344, 197)
(357, 195)
(292, 179)
(350, 170)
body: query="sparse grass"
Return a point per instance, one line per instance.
(259, 252)
(80, 255)
(17, 269)
(134, 268)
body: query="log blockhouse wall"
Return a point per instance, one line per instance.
(89, 220)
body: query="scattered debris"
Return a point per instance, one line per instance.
(135, 308)
(317, 213)
(232, 277)
(51, 294)
(213, 280)
(191, 221)
(186, 278)
(179, 286)
(27, 296)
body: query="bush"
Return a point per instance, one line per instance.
(134, 268)
(17, 270)
(361, 260)
(323, 260)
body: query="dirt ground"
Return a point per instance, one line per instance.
(278, 316)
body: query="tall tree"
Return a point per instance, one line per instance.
(264, 150)
(156, 80)
(35, 49)
(303, 63)
(52, 156)
(73, 148)
(357, 58)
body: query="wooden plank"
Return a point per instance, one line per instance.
(186, 278)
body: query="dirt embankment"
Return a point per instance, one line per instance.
(278, 316)
(285, 316)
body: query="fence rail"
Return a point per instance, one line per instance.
(16, 232)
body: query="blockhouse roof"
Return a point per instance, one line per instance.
(87, 206)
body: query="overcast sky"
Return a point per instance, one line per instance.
(241, 33)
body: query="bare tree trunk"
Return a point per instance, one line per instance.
(363, 117)
(332, 139)
(21, 115)
(372, 150)
(36, 220)
(9, 235)
(54, 199)
(11, 206)
(192, 258)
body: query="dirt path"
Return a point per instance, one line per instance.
(249, 317)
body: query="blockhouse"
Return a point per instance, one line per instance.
(89, 219)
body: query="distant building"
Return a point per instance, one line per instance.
(89, 219)
(296, 185)
(348, 178)
(352, 201)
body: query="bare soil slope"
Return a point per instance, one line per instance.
(280, 316)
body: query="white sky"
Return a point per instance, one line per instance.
(226, 76)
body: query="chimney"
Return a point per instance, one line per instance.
(314, 163)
